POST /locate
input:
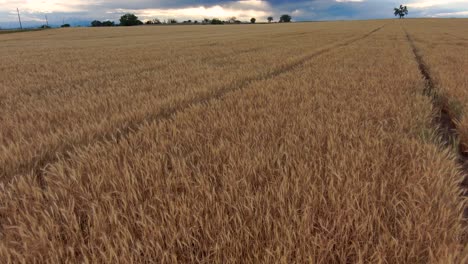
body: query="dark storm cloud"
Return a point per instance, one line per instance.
(82, 11)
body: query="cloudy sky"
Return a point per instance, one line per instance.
(81, 12)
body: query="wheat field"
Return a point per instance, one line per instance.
(284, 143)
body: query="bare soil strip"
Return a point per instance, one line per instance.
(445, 123)
(41, 163)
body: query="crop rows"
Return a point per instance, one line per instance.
(327, 153)
(75, 95)
(444, 55)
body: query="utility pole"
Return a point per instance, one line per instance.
(19, 19)
(47, 21)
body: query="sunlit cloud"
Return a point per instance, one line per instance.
(453, 14)
(49, 6)
(431, 3)
(255, 3)
(196, 12)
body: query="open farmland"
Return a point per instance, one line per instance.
(444, 54)
(303, 142)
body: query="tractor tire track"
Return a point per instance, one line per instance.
(39, 165)
(445, 123)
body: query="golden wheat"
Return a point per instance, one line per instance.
(444, 49)
(291, 143)
(74, 86)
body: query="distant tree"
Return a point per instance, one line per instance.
(195, 22)
(402, 11)
(156, 21)
(206, 21)
(252, 20)
(172, 21)
(285, 18)
(270, 18)
(149, 22)
(96, 23)
(216, 21)
(232, 19)
(65, 25)
(237, 22)
(44, 26)
(130, 20)
(107, 23)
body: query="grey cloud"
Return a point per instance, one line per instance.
(300, 9)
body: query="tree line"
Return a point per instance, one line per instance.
(132, 20)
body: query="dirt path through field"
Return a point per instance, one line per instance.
(445, 123)
(40, 163)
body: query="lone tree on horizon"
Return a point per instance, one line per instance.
(130, 20)
(285, 18)
(270, 18)
(252, 20)
(402, 11)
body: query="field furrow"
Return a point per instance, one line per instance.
(51, 124)
(444, 62)
(332, 159)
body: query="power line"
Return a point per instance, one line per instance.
(19, 19)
